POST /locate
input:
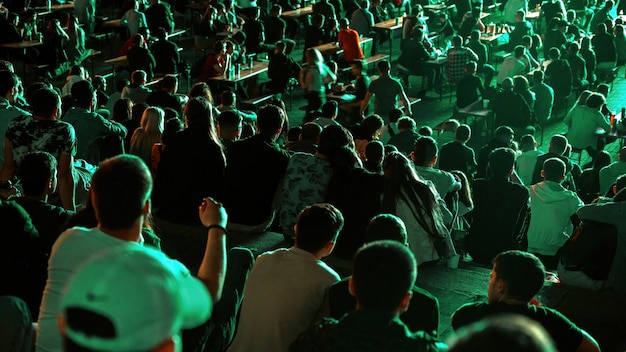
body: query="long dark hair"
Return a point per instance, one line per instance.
(401, 182)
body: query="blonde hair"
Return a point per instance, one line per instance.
(152, 126)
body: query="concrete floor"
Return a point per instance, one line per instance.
(604, 316)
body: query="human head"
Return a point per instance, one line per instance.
(515, 275)
(334, 137)
(475, 35)
(406, 124)
(356, 67)
(558, 143)
(6, 65)
(386, 227)
(120, 192)
(310, 132)
(553, 170)
(384, 67)
(395, 114)
(122, 110)
(270, 119)
(463, 133)
(276, 10)
(169, 83)
(37, 173)
(201, 89)
(507, 84)
(513, 333)
(538, 76)
(9, 82)
(317, 228)
(519, 51)
(139, 77)
(99, 82)
(554, 53)
(425, 131)
(520, 16)
(230, 124)
(457, 41)
(595, 101)
(137, 40)
(622, 154)
(46, 103)
(344, 23)
(505, 134)
(603, 89)
(383, 274)
(528, 142)
(501, 162)
(424, 151)
(199, 116)
(317, 20)
(330, 109)
(372, 125)
(520, 83)
(131, 284)
(153, 120)
(374, 152)
(83, 94)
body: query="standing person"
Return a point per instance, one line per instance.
(295, 277)
(551, 207)
(140, 58)
(349, 42)
(165, 53)
(134, 19)
(382, 280)
(85, 12)
(500, 210)
(386, 90)
(314, 78)
(516, 277)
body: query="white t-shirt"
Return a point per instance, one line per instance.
(285, 292)
(74, 247)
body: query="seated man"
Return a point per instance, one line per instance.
(249, 200)
(382, 277)
(469, 87)
(503, 138)
(413, 61)
(282, 68)
(405, 139)
(456, 155)
(423, 312)
(425, 153)
(559, 75)
(551, 207)
(458, 57)
(513, 65)
(500, 210)
(525, 162)
(511, 109)
(165, 53)
(516, 278)
(349, 42)
(90, 126)
(137, 90)
(522, 28)
(558, 145)
(139, 57)
(609, 174)
(583, 121)
(295, 277)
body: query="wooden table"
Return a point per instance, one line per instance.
(477, 110)
(117, 23)
(257, 68)
(24, 45)
(389, 26)
(45, 10)
(333, 48)
(489, 39)
(297, 13)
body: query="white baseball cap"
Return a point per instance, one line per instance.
(142, 296)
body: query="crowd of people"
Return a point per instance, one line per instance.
(99, 192)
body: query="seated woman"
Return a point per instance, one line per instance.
(152, 124)
(216, 63)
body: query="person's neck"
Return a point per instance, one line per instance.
(42, 197)
(130, 234)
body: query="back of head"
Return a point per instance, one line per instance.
(554, 53)
(8, 81)
(513, 333)
(602, 159)
(317, 225)
(622, 154)
(227, 98)
(229, 120)
(519, 51)
(270, 119)
(311, 132)
(386, 227)
(595, 101)
(294, 133)
(120, 189)
(475, 35)
(105, 304)
(161, 33)
(383, 67)
(522, 272)
(603, 89)
(344, 23)
(6, 65)
(558, 144)
(330, 109)
(334, 137)
(371, 124)
(528, 142)
(137, 39)
(504, 133)
(35, 172)
(374, 151)
(406, 123)
(120, 84)
(463, 133)
(520, 83)
(169, 82)
(507, 84)
(425, 131)
(553, 169)
(383, 272)
(457, 41)
(199, 114)
(424, 151)
(44, 103)
(538, 76)
(501, 162)
(395, 115)
(139, 77)
(82, 93)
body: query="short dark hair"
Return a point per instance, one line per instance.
(311, 132)
(330, 109)
(371, 124)
(270, 119)
(294, 133)
(383, 273)
(501, 161)
(44, 102)
(395, 114)
(227, 97)
(406, 123)
(424, 150)
(374, 150)
(8, 81)
(595, 100)
(317, 225)
(522, 272)
(384, 66)
(558, 144)
(34, 171)
(332, 138)
(82, 93)
(553, 169)
(386, 227)
(119, 191)
(519, 51)
(169, 82)
(160, 33)
(229, 119)
(463, 132)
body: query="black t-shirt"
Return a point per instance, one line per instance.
(565, 334)
(467, 90)
(274, 29)
(49, 220)
(313, 37)
(163, 99)
(253, 29)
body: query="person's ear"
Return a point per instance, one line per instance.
(146, 208)
(351, 287)
(168, 345)
(406, 300)
(501, 286)
(543, 174)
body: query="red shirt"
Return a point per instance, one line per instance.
(349, 42)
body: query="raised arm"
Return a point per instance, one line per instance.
(213, 267)
(67, 184)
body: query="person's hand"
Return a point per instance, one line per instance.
(212, 212)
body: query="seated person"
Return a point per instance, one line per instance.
(515, 279)
(282, 68)
(405, 139)
(471, 21)
(165, 53)
(140, 58)
(349, 42)
(513, 65)
(583, 121)
(166, 96)
(522, 28)
(469, 87)
(559, 75)
(500, 210)
(382, 278)
(137, 90)
(413, 59)
(215, 64)
(456, 155)
(423, 313)
(510, 108)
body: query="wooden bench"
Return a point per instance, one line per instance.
(256, 101)
(90, 57)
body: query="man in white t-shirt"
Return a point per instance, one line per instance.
(424, 157)
(287, 289)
